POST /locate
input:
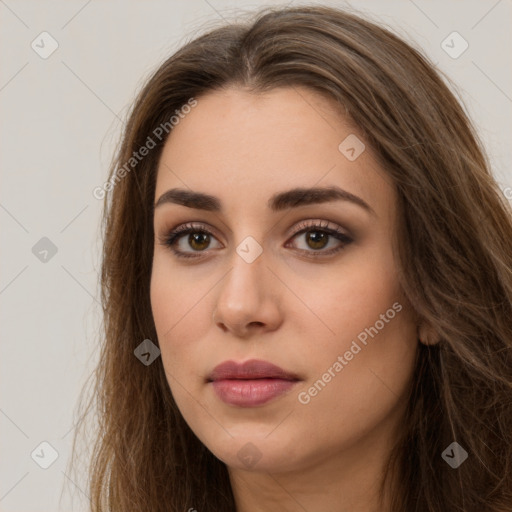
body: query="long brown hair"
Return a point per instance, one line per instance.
(453, 246)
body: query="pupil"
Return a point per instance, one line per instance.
(317, 238)
(200, 239)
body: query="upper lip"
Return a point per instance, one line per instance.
(252, 369)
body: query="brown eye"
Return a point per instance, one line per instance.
(318, 240)
(198, 240)
(318, 237)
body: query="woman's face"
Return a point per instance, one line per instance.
(304, 281)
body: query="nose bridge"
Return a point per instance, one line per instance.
(246, 296)
(245, 282)
(248, 260)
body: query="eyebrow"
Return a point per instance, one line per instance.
(278, 202)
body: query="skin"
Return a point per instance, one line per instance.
(295, 311)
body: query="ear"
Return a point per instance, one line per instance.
(427, 334)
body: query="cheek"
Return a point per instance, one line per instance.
(169, 308)
(180, 314)
(173, 300)
(365, 323)
(177, 316)
(361, 390)
(166, 288)
(351, 296)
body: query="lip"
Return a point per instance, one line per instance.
(251, 383)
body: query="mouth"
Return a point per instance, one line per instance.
(251, 383)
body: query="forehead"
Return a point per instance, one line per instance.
(244, 147)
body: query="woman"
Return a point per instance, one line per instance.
(307, 283)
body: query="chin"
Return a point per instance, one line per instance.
(257, 453)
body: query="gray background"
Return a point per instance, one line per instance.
(60, 120)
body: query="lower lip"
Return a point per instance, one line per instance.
(249, 393)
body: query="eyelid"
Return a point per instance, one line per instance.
(318, 224)
(301, 226)
(170, 237)
(182, 229)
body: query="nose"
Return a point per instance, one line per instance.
(248, 299)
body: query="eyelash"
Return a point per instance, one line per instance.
(170, 239)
